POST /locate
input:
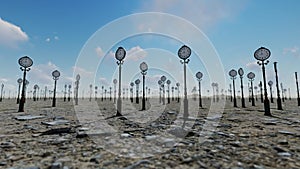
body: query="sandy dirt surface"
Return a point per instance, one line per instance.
(90, 136)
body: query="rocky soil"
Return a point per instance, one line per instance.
(90, 136)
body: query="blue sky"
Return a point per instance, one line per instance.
(53, 33)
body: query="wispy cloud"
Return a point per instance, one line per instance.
(204, 13)
(293, 51)
(136, 53)
(41, 73)
(253, 66)
(11, 35)
(99, 52)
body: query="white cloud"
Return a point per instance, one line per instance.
(104, 82)
(99, 52)
(42, 73)
(47, 40)
(294, 51)
(56, 38)
(3, 80)
(136, 53)
(253, 66)
(204, 13)
(81, 71)
(11, 34)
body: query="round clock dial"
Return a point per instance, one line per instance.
(115, 81)
(25, 62)
(270, 83)
(262, 54)
(241, 72)
(120, 54)
(19, 80)
(163, 78)
(232, 73)
(168, 81)
(137, 81)
(131, 84)
(251, 75)
(143, 66)
(199, 75)
(184, 52)
(159, 82)
(177, 84)
(55, 73)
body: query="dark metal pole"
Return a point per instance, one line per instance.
(271, 94)
(298, 98)
(243, 99)
(22, 101)
(54, 92)
(143, 99)
(119, 101)
(234, 98)
(252, 98)
(279, 105)
(200, 99)
(266, 101)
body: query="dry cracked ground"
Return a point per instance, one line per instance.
(90, 136)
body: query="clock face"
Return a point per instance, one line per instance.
(241, 72)
(199, 75)
(55, 73)
(159, 82)
(262, 54)
(25, 62)
(232, 73)
(115, 81)
(251, 75)
(177, 84)
(184, 52)
(137, 81)
(143, 66)
(168, 81)
(120, 54)
(270, 83)
(163, 78)
(20, 80)
(131, 84)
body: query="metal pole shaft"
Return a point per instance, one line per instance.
(298, 98)
(279, 105)
(119, 101)
(234, 98)
(143, 100)
(54, 92)
(22, 101)
(242, 89)
(252, 92)
(266, 101)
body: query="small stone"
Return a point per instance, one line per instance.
(125, 135)
(285, 154)
(56, 165)
(28, 117)
(7, 145)
(151, 137)
(55, 123)
(285, 132)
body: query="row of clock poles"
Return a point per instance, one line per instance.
(261, 54)
(25, 63)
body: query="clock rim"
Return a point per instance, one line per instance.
(181, 56)
(257, 50)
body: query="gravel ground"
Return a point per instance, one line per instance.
(90, 136)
